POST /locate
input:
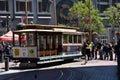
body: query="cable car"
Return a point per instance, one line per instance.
(40, 43)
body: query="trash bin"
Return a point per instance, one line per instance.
(6, 63)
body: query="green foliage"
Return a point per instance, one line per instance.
(81, 10)
(113, 15)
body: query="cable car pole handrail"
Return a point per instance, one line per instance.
(55, 18)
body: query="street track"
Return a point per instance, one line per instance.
(54, 73)
(66, 74)
(66, 71)
(51, 74)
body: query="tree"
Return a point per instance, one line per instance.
(113, 15)
(80, 10)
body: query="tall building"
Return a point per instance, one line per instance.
(12, 12)
(102, 5)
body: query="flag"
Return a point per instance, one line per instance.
(86, 20)
(23, 19)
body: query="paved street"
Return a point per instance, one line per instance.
(2, 66)
(93, 70)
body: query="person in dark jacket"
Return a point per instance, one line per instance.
(8, 49)
(115, 51)
(110, 49)
(118, 58)
(84, 52)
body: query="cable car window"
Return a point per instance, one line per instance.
(16, 40)
(59, 39)
(42, 42)
(65, 38)
(48, 42)
(70, 38)
(75, 38)
(79, 39)
(56, 46)
(23, 42)
(31, 39)
(51, 42)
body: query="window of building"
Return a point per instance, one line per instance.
(4, 5)
(118, 0)
(20, 6)
(114, 2)
(44, 5)
(102, 7)
(103, 0)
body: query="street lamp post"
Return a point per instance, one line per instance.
(26, 12)
(90, 26)
(7, 23)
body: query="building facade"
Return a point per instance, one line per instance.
(13, 12)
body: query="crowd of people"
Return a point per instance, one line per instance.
(5, 50)
(100, 50)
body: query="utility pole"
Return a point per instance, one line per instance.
(7, 23)
(55, 18)
(26, 12)
(90, 26)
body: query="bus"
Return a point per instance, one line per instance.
(39, 43)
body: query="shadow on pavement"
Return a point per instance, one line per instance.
(43, 65)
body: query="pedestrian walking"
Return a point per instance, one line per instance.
(115, 51)
(104, 51)
(99, 47)
(8, 49)
(88, 50)
(84, 55)
(93, 50)
(96, 53)
(110, 51)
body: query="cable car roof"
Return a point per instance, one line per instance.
(38, 26)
